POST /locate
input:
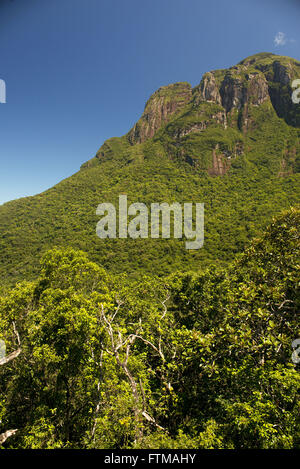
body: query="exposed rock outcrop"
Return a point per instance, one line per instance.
(257, 79)
(257, 90)
(162, 105)
(209, 90)
(282, 73)
(238, 91)
(232, 92)
(217, 118)
(220, 163)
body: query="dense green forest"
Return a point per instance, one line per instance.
(141, 343)
(232, 143)
(189, 361)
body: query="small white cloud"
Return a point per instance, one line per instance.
(280, 39)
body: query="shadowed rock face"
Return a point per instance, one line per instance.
(252, 82)
(237, 93)
(280, 91)
(282, 73)
(257, 91)
(232, 93)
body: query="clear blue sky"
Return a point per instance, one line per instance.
(79, 71)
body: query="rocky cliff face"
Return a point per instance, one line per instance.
(258, 79)
(162, 105)
(237, 92)
(208, 89)
(224, 122)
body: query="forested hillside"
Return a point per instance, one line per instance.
(141, 343)
(231, 142)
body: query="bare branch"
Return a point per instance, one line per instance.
(151, 419)
(116, 346)
(10, 357)
(4, 436)
(284, 302)
(158, 350)
(16, 333)
(117, 310)
(164, 306)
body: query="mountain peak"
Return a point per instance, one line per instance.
(266, 57)
(258, 57)
(256, 79)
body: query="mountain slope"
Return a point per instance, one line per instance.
(231, 142)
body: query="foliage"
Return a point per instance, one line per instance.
(197, 360)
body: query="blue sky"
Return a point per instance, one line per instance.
(79, 71)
